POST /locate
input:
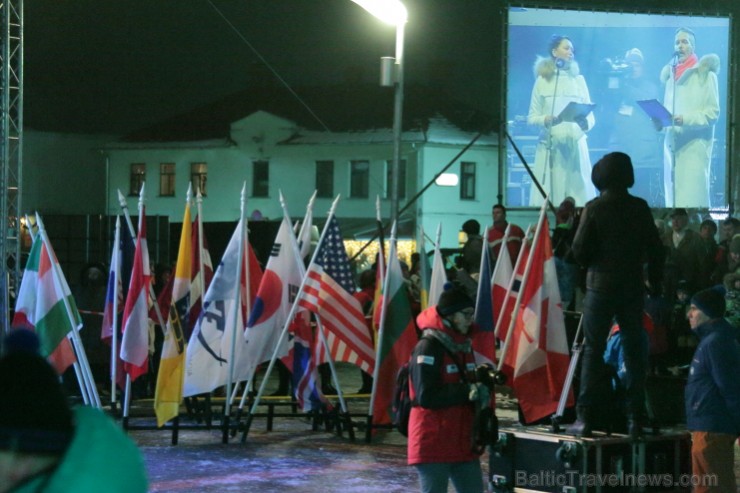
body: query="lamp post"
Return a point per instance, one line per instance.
(393, 12)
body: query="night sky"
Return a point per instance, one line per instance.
(118, 65)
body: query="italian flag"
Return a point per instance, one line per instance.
(40, 306)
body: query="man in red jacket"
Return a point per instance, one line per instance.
(496, 234)
(441, 441)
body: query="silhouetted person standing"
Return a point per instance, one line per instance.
(615, 237)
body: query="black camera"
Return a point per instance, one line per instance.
(486, 375)
(614, 67)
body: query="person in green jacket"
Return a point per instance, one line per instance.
(45, 446)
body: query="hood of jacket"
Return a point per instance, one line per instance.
(545, 67)
(430, 319)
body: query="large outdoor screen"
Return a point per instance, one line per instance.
(584, 84)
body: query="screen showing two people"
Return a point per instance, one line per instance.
(582, 84)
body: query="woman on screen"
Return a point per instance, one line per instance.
(562, 165)
(692, 97)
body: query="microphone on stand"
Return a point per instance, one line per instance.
(559, 63)
(674, 59)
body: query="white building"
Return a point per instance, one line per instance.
(272, 149)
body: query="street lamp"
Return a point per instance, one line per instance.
(393, 12)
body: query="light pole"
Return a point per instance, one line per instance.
(393, 12)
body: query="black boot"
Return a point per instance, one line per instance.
(583, 427)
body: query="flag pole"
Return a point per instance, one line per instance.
(291, 315)
(114, 323)
(199, 206)
(381, 330)
(527, 269)
(235, 316)
(127, 215)
(30, 228)
(304, 249)
(379, 267)
(483, 254)
(423, 271)
(379, 222)
(432, 300)
(77, 342)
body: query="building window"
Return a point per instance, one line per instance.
(467, 180)
(167, 179)
(324, 178)
(401, 178)
(359, 184)
(199, 178)
(260, 178)
(138, 175)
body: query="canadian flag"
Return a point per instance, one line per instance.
(538, 350)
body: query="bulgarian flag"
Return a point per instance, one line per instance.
(40, 306)
(396, 338)
(168, 393)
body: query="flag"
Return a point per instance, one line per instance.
(114, 291)
(275, 296)
(304, 353)
(439, 277)
(114, 302)
(484, 341)
(502, 275)
(304, 241)
(396, 339)
(307, 351)
(379, 273)
(424, 273)
(163, 301)
(40, 305)
(200, 280)
(328, 293)
(378, 296)
(539, 348)
(209, 347)
(168, 392)
(135, 323)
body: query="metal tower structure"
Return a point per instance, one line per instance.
(11, 145)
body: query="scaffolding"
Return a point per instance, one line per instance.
(11, 145)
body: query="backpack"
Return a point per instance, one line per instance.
(402, 402)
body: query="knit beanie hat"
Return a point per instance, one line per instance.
(34, 413)
(453, 300)
(471, 227)
(710, 301)
(615, 172)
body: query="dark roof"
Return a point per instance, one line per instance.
(340, 108)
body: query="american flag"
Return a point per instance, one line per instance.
(328, 293)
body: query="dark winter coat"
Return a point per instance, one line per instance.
(615, 237)
(713, 388)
